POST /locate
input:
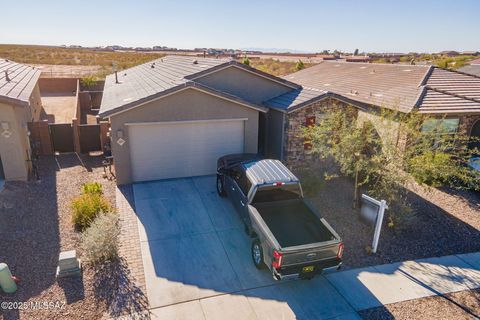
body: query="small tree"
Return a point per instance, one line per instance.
(385, 154)
(299, 65)
(246, 60)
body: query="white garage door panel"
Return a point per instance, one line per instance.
(182, 149)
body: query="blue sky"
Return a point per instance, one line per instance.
(370, 25)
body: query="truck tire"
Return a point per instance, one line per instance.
(220, 187)
(257, 254)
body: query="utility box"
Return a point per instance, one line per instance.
(68, 264)
(6, 281)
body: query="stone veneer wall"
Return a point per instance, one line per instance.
(295, 154)
(467, 122)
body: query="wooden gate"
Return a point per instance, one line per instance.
(89, 138)
(62, 137)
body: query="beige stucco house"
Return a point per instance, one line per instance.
(173, 117)
(20, 103)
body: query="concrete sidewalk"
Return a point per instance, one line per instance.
(336, 295)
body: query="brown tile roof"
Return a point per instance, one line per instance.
(21, 81)
(394, 86)
(377, 84)
(475, 62)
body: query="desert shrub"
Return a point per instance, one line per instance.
(100, 239)
(312, 182)
(92, 188)
(86, 207)
(88, 81)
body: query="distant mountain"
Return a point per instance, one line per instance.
(276, 50)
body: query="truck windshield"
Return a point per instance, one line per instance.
(277, 193)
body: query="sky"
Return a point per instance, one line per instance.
(369, 25)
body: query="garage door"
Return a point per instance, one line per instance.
(182, 149)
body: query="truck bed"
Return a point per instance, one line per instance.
(293, 223)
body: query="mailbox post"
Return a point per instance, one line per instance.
(371, 213)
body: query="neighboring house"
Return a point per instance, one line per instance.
(369, 87)
(20, 103)
(472, 68)
(173, 117)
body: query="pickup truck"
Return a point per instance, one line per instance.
(288, 234)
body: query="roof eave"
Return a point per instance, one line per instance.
(173, 90)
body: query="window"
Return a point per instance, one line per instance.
(238, 174)
(440, 127)
(309, 122)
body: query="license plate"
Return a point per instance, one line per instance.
(308, 269)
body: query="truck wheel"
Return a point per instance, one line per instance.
(220, 188)
(257, 254)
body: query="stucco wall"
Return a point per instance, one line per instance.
(14, 149)
(189, 104)
(244, 84)
(35, 107)
(57, 85)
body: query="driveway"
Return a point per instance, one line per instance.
(197, 265)
(197, 261)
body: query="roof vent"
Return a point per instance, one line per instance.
(7, 78)
(153, 65)
(195, 62)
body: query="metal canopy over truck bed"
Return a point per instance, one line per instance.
(289, 235)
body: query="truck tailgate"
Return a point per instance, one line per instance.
(310, 254)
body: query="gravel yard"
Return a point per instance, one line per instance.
(36, 226)
(446, 222)
(459, 305)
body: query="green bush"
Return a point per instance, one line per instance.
(100, 239)
(92, 188)
(86, 207)
(431, 168)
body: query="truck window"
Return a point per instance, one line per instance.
(273, 193)
(241, 179)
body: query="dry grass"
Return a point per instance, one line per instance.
(276, 67)
(47, 55)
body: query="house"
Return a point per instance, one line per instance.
(369, 87)
(173, 117)
(20, 103)
(472, 68)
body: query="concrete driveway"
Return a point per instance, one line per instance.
(197, 261)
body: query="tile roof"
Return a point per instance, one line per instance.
(150, 78)
(473, 69)
(475, 62)
(369, 83)
(400, 87)
(162, 76)
(22, 81)
(295, 99)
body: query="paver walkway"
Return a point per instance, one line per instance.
(362, 288)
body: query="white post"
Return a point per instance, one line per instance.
(378, 225)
